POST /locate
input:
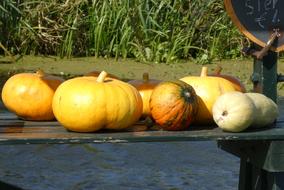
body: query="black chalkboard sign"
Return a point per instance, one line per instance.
(258, 19)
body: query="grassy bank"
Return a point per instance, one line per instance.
(155, 31)
(124, 68)
(128, 68)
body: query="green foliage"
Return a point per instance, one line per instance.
(9, 19)
(148, 30)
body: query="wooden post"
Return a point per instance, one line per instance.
(261, 162)
(264, 76)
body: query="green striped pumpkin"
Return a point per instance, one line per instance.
(173, 105)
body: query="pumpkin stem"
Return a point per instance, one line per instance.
(102, 76)
(204, 72)
(40, 72)
(218, 70)
(145, 77)
(224, 113)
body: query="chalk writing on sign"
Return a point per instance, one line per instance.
(257, 19)
(263, 11)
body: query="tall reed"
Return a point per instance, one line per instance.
(148, 30)
(9, 19)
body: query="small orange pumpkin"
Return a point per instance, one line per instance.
(29, 95)
(208, 89)
(88, 104)
(236, 82)
(145, 88)
(173, 105)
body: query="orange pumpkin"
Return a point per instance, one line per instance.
(208, 89)
(145, 88)
(88, 104)
(173, 105)
(29, 95)
(236, 82)
(97, 73)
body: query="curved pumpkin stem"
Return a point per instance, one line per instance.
(145, 77)
(40, 72)
(218, 70)
(204, 72)
(102, 76)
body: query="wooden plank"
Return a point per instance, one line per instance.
(16, 131)
(28, 132)
(123, 137)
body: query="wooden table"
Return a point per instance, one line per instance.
(16, 131)
(261, 152)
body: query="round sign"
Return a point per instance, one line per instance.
(258, 20)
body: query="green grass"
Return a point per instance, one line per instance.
(147, 30)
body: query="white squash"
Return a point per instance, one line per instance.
(233, 111)
(266, 110)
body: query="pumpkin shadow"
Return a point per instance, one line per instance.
(202, 127)
(265, 128)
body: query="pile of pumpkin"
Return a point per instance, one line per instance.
(100, 101)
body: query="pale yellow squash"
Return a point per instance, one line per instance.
(234, 111)
(266, 110)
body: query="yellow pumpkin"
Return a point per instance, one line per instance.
(88, 104)
(236, 82)
(29, 95)
(145, 88)
(208, 89)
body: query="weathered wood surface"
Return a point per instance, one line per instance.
(16, 131)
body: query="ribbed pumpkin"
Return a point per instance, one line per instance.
(145, 88)
(236, 82)
(173, 105)
(97, 73)
(29, 95)
(208, 89)
(88, 104)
